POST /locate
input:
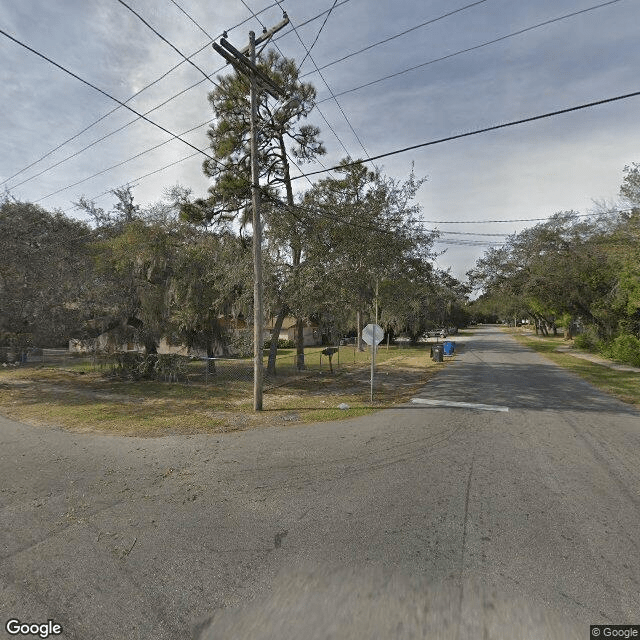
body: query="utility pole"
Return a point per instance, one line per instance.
(258, 319)
(374, 345)
(247, 66)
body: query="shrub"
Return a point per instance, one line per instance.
(283, 343)
(588, 340)
(242, 343)
(132, 365)
(625, 348)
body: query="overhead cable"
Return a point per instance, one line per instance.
(577, 215)
(289, 158)
(119, 164)
(138, 179)
(333, 96)
(103, 92)
(475, 132)
(313, 44)
(397, 35)
(136, 94)
(186, 58)
(152, 83)
(467, 50)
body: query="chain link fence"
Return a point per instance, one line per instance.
(332, 359)
(186, 369)
(12, 356)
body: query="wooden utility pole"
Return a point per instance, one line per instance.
(247, 66)
(258, 320)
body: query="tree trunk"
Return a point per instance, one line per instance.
(359, 329)
(300, 344)
(275, 335)
(568, 332)
(150, 346)
(217, 342)
(211, 364)
(296, 250)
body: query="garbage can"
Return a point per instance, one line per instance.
(449, 347)
(437, 353)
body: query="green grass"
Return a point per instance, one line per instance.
(624, 385)
(82, 399)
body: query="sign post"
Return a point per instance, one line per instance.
(372, 334)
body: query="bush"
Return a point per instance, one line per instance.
(242, 343)
(625, 349)
(132, 365)
(283, 343)
(588, 340)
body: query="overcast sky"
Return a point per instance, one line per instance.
(528, 171)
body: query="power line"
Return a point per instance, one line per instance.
(131, 182)
(120, 129)
(468, 243)
(180, 53)
(313, 44)
(326, 12)
(104, 137)
(308, 53)
(467, 50)
(120, 104)
(137, 93)
(302, 24)
(198, 24)
(449, 138)
(580, 215)
(289, 158)
(434, 142)
(95, 122)
(397, 35)
(103, 92)
(466, 233)
(186, 59)
(318, 211)
(173, 97)
(512, 123)
(332, 95)
(119, 164)
(294, 29)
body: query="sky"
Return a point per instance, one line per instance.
(571, 161)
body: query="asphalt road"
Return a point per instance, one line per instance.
(419, 522)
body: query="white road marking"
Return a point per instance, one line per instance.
(463, 405)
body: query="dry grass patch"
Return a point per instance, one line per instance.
(87, 401)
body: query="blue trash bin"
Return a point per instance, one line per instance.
(449, 347)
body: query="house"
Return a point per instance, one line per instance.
(103, 343)
(107, 342)
(311, 332)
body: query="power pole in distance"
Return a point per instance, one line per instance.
(247, 66)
